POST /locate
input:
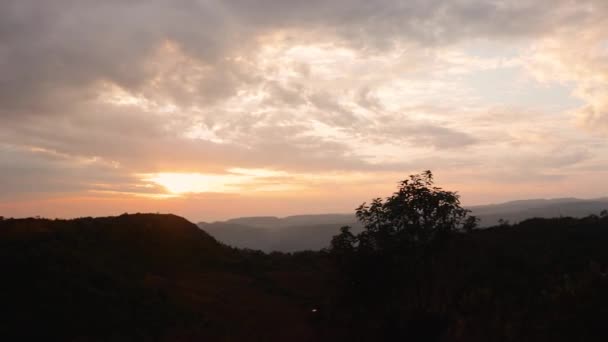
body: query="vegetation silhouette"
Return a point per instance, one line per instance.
(419, 271)
(383, 272)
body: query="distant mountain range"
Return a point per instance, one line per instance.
(288, 234)
(313, 232)
(517, 211)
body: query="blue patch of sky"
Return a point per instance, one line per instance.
(511, 85)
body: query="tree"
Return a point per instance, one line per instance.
(418, 213)
(386, 270)
(503, 223)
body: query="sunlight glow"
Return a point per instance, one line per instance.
(257, 172)
(248, 181)
(235, 180)
(181, 183)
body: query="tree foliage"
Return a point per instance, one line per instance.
(418, 213)
(385, 271)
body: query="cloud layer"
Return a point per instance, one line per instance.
(96, 95)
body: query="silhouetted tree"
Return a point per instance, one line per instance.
(386, 268)
(418, 213)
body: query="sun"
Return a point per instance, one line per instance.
(182, 183)
(233, 181)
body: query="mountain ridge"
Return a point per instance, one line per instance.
(313, 232)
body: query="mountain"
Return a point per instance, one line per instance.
(313, 232)
(517, 211)
(296, 220)
(288, 234)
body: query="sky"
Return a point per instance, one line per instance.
(216, 109)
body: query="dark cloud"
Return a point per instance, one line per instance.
(31, 171)
(52, 51)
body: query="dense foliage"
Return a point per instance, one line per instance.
(384, 272)
(419, 271)
(539, 280)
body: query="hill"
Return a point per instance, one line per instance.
(147, 277)
(143, 277)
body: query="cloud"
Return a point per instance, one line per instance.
(578, 56)
(34, 172)
(376, 87)
(56, 50)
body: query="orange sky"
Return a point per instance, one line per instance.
(227, 108)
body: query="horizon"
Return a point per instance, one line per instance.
(220, 109)
(269, 215)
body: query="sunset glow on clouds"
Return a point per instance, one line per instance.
(212, 109)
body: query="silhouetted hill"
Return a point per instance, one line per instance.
(539, 280)
(151, 277)
(142, 277)
(313, 232)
